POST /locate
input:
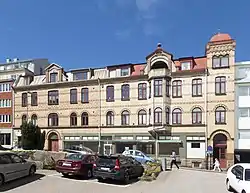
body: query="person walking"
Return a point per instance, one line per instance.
(173, 160)
(217, 165)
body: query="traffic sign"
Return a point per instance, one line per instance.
(209, 149)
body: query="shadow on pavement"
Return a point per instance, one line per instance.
(20, 182)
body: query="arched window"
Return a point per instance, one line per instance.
(125, 118)
(24, 118)
(196, 115)
(220, 115)
(34, 119)
(73, 119)
(176, 116)
(53, 119)
(85, 119)
(142, 117)
(158, 116)
(167, 115)
(110, 118)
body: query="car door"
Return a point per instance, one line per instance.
(139, 157)
(232, 176)
(137, 167)
(239, 182)
(20, 167)
(6, 167)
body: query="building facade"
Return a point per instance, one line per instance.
(9, 72)
(161, 105)
(242, 108)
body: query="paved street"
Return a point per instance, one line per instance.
(170, 182)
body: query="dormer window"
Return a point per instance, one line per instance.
(186, 66)
(125, 72)
(112, 73)
(80, 76)
(53, 77)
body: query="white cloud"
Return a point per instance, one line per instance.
(145, 5)
(123, 34)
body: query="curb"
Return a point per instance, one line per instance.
(204, 170)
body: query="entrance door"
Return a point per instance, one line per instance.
(53, 142)
(220, 149)
(107, 149)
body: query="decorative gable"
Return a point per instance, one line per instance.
(55, 73)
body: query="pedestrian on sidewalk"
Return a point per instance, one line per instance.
(217, 165)
(173, 160)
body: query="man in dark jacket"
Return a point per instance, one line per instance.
(173, 160)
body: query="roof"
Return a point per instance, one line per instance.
(200, 62)
(244, 165)
(220, 37)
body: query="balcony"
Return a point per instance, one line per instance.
(160, 72)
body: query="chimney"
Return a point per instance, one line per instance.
(8, 60)
(15, 59)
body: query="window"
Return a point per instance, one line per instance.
(85, 119)
(221, 61)
(168, 88)
(5, 159)
(158, 88)
(142, 91)
(24, 118)
(176, 116)
(34, 99)
(220, 115)
(53, 119)
(167, 115)
(5, 103)
(5, 138)
(34, 119)
(54, 77)
(85, 95)
(247, 174)
(176, 89)
(16, 159)
(80, 76)
(244, 112)
(125, 118)
(125, 92)
(124, 71)
(110, 118)
(149, 114)
(110, 94)
(196, 87)
(73, 96)
(150, 90)
(158, 116)
(197, 116)
(195, 145)
(185, 65)
(53, 97)
(220, 85)
(24, 99)
(5, 87)
(244, 91)
(5, 118)
(142, 117)
(73, 119)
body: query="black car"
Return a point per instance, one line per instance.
(117, 167)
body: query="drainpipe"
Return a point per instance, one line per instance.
(13, 114)
(100, 117)
(206, 113)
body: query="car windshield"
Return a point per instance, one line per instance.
(247, 174)
(75, 156)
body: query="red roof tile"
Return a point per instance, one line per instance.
(137, 69)
(220, 37)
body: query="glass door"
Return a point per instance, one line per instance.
(107, 149)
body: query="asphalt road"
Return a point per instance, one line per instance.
(168, 182)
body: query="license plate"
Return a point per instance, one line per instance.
(105, 169)
(66, 164)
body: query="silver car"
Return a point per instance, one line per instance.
(13, 167)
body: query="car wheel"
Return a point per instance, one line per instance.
(32, 171)
(65, 175)
(1, 180)
(229, 188)
(126, 178)
(243, 191)
(100, 179)
(89, 173)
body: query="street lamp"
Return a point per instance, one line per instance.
(100, 117)
(27, 118)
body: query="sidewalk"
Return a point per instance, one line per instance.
(203, 170)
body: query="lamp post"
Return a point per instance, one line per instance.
(100, 117)
(27, 118)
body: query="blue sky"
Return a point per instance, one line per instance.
(95, 33)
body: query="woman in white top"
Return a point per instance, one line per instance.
(217, 165)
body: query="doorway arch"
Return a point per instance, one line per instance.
(220, 149)
(53, 142)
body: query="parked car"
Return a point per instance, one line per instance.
(138, 155)
(13, 167)
(76, 164)
(238, 178)
(117, 167)
(79, 149)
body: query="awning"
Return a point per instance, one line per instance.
(160, 131)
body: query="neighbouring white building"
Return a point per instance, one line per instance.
(242, 105)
